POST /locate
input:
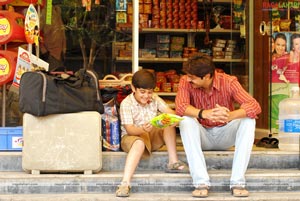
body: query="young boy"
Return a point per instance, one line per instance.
(139, 137)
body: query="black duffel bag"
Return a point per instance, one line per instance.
(43, 93)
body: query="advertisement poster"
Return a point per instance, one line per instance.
(284, 70)
(32, 25)
(27, 62)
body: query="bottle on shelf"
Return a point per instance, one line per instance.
(289, 122)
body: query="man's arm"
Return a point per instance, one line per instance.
(192, 111)
(217, 114)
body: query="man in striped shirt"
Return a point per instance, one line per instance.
(212, 121)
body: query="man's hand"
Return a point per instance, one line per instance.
(218, 114)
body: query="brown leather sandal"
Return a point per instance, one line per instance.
(200, 192)
(178, 167)
(239, 191)
(123, 191)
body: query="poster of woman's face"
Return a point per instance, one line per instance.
(281, 43)
(285, 57)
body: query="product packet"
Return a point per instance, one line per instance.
(164, 120)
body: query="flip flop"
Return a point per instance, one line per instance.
(239, 192)
(200, 192)
(123, 191)
(273, 143)
(178, 167)
(263, 141)
(268, 142)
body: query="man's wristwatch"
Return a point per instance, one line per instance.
(200, 114)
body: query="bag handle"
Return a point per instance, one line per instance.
(113, 81)
(126, 76)
(74, 81)
(109, 77)
(112, 77)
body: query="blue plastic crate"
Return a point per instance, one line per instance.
(11, 138)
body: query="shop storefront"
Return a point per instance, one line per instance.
(120, 37)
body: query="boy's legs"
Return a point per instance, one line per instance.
(136, 147)
(167, 136)
(170, 141)
(132, 160)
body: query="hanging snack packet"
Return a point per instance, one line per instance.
(164, 120)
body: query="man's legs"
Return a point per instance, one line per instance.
(240, 133)
(244, 137)
(190, 134)
(243, 147)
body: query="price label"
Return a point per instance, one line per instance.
(49, 12)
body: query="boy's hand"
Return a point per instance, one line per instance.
(175, 124)
(147, 127)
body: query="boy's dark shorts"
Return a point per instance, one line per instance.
(153, 140)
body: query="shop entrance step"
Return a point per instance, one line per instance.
(254, 196)
(271, 175)
(258, 180)
(114, 161)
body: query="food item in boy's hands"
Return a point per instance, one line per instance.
(164, 120)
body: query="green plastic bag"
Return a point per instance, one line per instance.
(164, 120)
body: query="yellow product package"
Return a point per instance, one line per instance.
(164, 120)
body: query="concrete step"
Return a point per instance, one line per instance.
(114, 161)
(257, 196)
(258, 180)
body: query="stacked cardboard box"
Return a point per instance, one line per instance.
(225, 49)
(163, 46)
(177, 14)
(124, 18)
(176, 46)
(122, 49)
(218, 48)
(230, 49)
(167, 81)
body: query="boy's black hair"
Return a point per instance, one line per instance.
(144, 79)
